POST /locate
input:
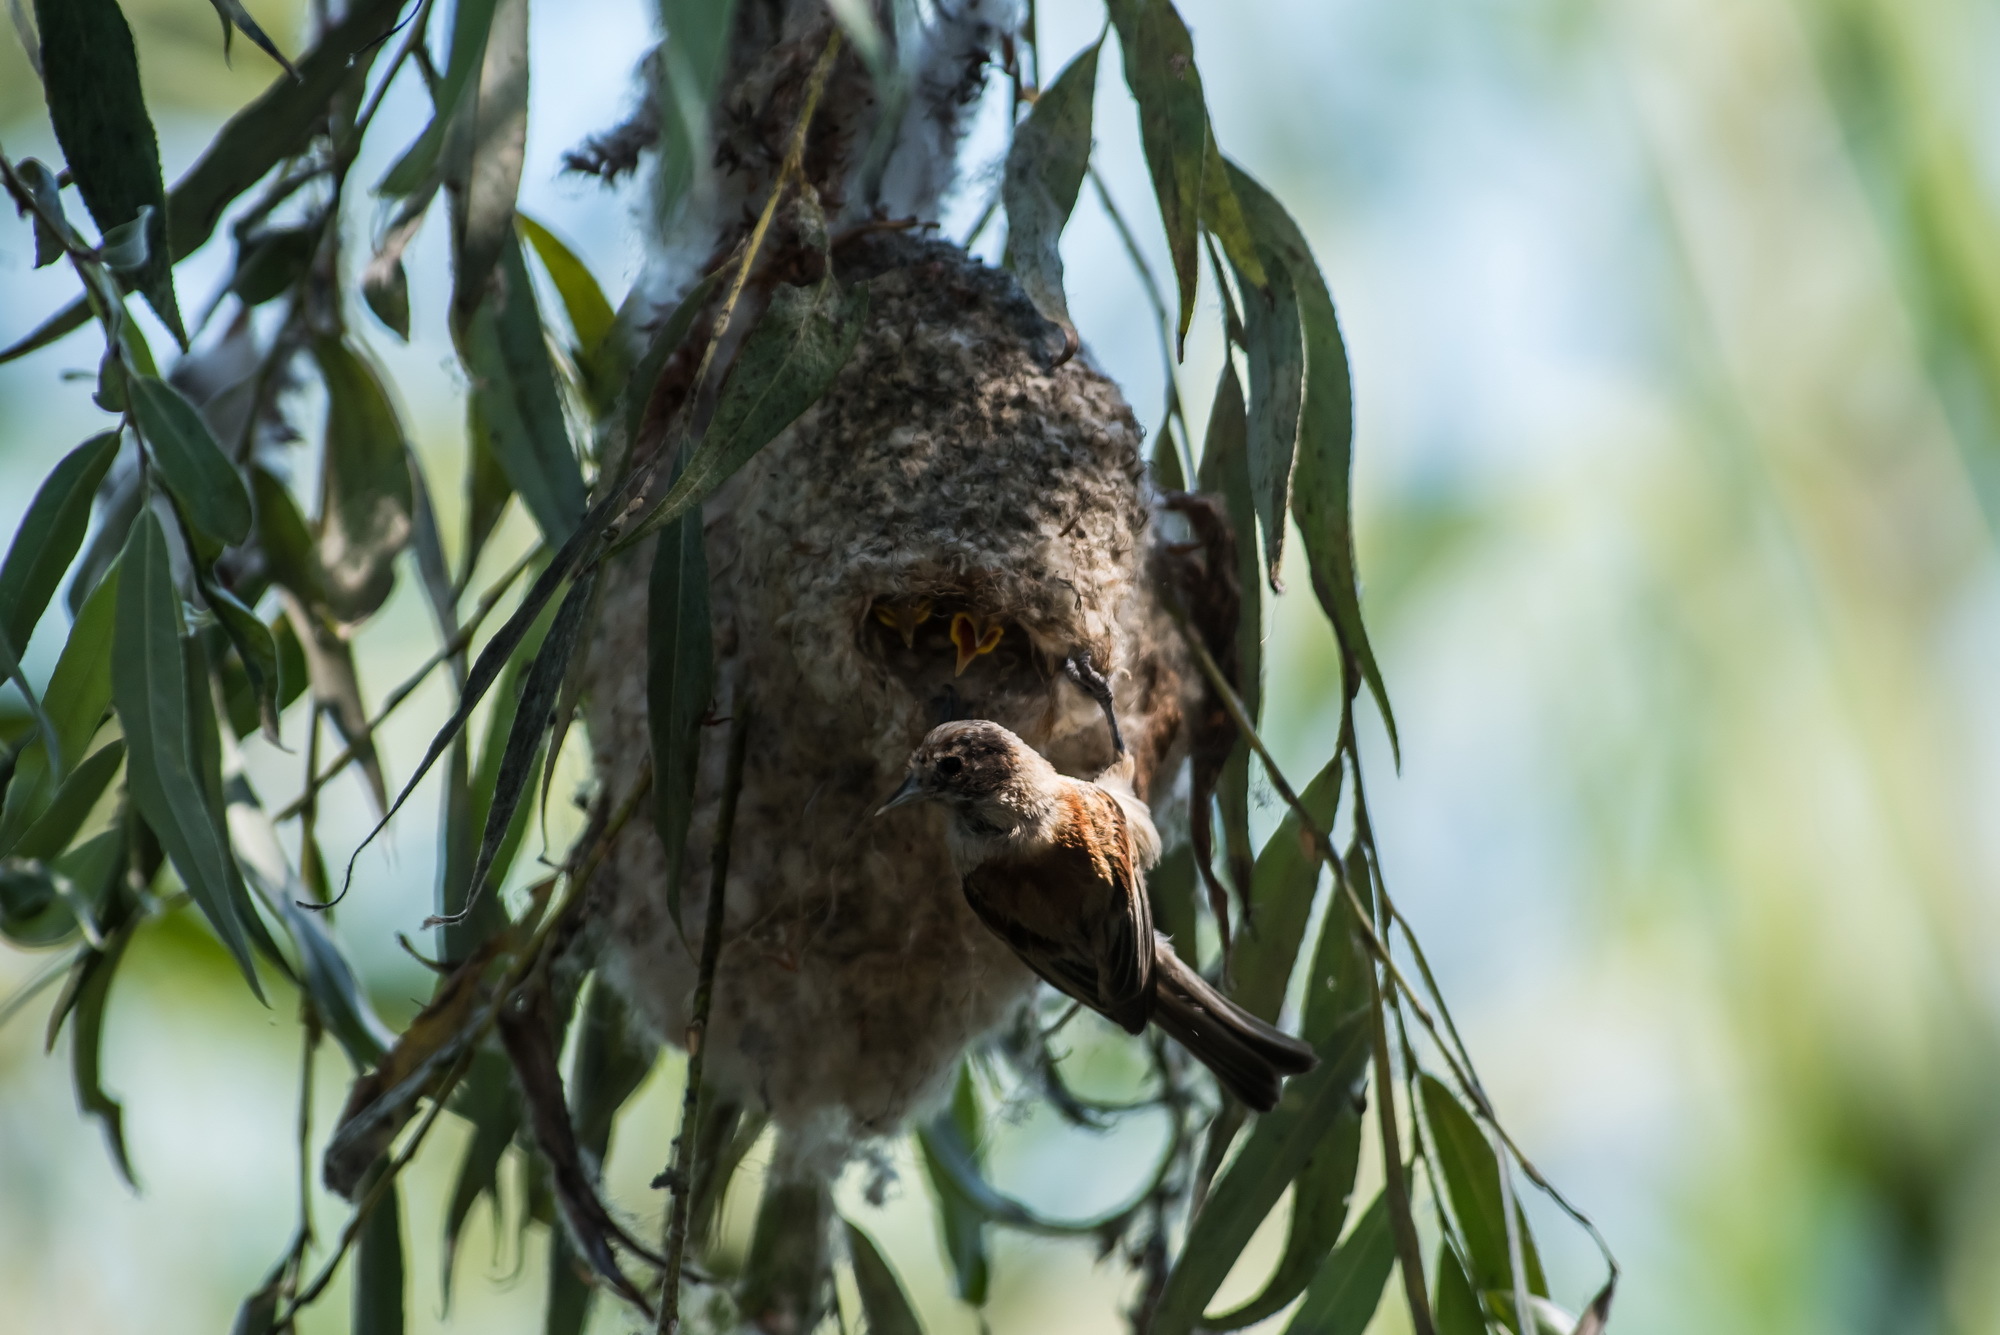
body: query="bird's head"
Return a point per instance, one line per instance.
(979, 769)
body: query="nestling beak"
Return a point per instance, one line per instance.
(972, 638)
(911, 791)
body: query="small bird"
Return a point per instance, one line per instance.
(972, 636)
(904, 618)
(1056, 868)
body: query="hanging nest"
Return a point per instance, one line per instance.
(931, 540)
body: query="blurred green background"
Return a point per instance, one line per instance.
(1676, 341)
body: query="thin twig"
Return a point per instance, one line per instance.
(1462, 1071)
(445, 653)
(680, 1176)
(792, 166)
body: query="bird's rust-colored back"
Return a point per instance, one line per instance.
(1077, 911)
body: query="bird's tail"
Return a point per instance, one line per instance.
(1249, 1057)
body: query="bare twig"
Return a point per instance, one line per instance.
(679, 1177)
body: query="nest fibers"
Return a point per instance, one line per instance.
(950, 500)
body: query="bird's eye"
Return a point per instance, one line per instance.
(950, 766)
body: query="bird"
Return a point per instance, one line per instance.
(1055, 867)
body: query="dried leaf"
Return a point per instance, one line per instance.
(365, 486)
(164, 715)
(204, 483)
(1045, 168)
(883, 1302)
(382, 1100)
(49, 536)
(91, 79)
(514, 389)
(1343, 1297)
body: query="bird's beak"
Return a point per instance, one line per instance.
(911, 791)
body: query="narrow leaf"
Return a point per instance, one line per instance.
(1319, 1210)
(50, 535)
(193, 466)
(75, 702)
(962, 1222)
(531, 721)
(1283, 886)
(1456, 1306)
(485, 144)
(691, 69)
(514, 389)
(1322, 500)
(788, 361)
(91, 79)
(58, 825)
(1045, 168)
(1343, 1297)
(86, 1038)
(470, 24)
(883, 1302)
(365, 486)
(336, 687)
(680, 669)
(1277, 356)
(1472, 1175)
(256, 651)
(235, 16)
(486, 1098)
(378, 1267)
(161, 711)
(590, 315)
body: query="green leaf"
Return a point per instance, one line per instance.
(470, 23)
(692, 64)
(256, 651)
(235, 16)
(32, 913)
(1472, 1176)
(487, 489)
(163, 714)
(78, 694)
(1322, 499)
(1282, 893)
(92, 990)
(1045, 168)
(483, 151)
(1310, 1120)
(58, 825)
(1274, 343)
(628, 378)
(680, 670)
(590, 315)
(329, 980)
(270, 263)
(486, 1098)
(193, 466)
(365, 485)
(1225, 471)
(1456, 1306)
(789, 359)
(525, 735)
(883, 1303)
(378, 1267)
(336, 686)
(962, 1222)
(1175, 133)
(49, 536)
(284, 538)
(1319, 1209)
(514, 389)
(1343, 1297)
(91, 79)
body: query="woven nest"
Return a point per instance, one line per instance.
(952, 491)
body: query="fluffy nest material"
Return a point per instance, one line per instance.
(953, 499)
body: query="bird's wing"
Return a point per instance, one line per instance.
(1119, 913)
(989, 890)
